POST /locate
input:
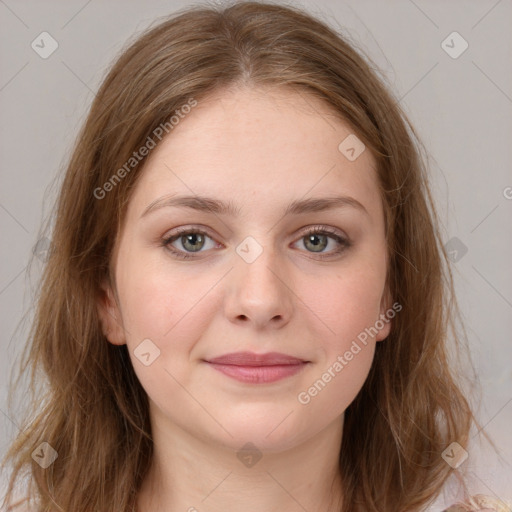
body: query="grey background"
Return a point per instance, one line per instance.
(461, 108)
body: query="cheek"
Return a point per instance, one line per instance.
(346, 309)
(345, 304)
(349, 308)
(329, 393)
(159, 304)
(167, 308)
(151, 306)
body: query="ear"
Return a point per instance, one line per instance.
(110, 315)
(385, 318)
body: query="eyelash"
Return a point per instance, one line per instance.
(317, 230)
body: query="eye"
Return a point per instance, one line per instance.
(193, 240)
(317, 239)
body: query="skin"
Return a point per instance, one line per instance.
(260, 149)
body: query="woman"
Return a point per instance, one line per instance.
(246, 305)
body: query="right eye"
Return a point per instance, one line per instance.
(191, 240)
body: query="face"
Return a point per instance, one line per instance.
(281, 273)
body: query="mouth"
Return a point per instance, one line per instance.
(257, 368)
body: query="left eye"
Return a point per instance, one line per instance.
(193, 240)
(317, 239)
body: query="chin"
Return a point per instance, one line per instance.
(267, 431)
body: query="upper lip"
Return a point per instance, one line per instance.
(252, 359)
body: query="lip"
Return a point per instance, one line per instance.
(257, 368)
(252, 359)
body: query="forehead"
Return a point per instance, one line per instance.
(255, 146)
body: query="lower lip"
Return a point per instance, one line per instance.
(258, 374)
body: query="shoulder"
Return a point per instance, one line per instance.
(23, 506)
(480, 503)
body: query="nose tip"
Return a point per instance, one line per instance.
(258, 293)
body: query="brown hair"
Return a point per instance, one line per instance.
(94, 412)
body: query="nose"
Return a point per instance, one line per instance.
(259, 293)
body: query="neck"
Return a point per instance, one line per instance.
(194, 475)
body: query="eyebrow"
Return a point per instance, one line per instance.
(211, 205)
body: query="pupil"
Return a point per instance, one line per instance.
(318, 245)
(190, 238)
